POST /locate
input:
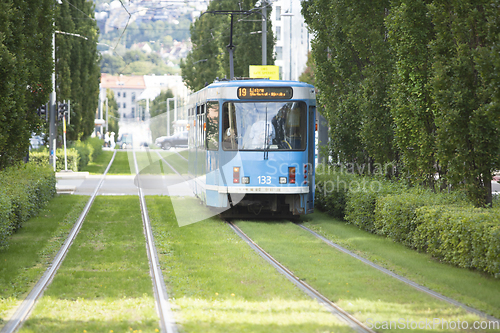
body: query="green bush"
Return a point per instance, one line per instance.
(331, 190)
(84, 153)
(26, 188)
(466, 237)
(395, 214)
(42, 158)
(95, 145)
(441, 224)
(5, 219)
(88, 150)
(360, 206)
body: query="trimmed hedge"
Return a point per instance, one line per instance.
(360, 206)
(395, 214)
(331, 190)
(25, 189)
(42, 158)
(443, 225)
(79, 154)
(466, 237)
(87, 150)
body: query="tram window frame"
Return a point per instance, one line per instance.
(212, 130)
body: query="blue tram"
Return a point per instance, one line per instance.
(252, 146)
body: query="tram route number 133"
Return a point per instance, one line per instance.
(264, 179)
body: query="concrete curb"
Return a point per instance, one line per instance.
(71, 175)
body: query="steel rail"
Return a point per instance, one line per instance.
(400, 278)
(28, 304)
(185, 159)
(169, 165)
(167, 321)
(354, 323)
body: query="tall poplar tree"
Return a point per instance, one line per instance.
(466, 113)
(77, 65)
(353, 73)
(25, 71)
(410, 32)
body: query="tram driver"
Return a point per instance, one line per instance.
(262, 134)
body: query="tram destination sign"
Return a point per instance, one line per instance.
(265, 92)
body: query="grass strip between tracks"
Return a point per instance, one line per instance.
(150, 164)
(472, 288)
(121, 164)
(217, 283)
(103, 285)
(33, 247)
(373, 297)
(98, 166)
(180, 164)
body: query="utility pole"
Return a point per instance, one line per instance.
(168, 112)
(230, 47)
(264, 32)
(52, 109)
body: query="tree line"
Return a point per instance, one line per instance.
(414, 83)
(210, 33)
(26, 66)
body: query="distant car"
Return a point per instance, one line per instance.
(125, 141)
(179, 139)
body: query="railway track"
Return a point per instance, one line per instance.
(332, 307)
(167, 323)
(401, 278)
(343, 315)
(27, 305)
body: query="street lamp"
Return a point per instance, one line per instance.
(290, 15)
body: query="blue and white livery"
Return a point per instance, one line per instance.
(251, 147)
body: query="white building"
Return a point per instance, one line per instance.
(127, 89)
(130, 89)
(292, 38)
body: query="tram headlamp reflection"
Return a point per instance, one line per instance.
(282, 180)
(245, 180)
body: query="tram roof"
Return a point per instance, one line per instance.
(259, 82)
(227, 89)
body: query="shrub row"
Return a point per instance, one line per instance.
(24, 190)
(79, 154)
(441, 224)
(87, 150)
(42, 158)
(466, 237)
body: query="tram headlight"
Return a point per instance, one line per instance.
(282, 180)
(245, 180)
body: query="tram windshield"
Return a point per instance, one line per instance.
(266, 125)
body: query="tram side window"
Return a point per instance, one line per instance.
(200, 111)
(212, 133)
(229, 128)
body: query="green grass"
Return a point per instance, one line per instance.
(149, 163)
(98, 166)
(472, 288)
(32, 249)
(180, 164)
(121, 164)
(218, 284)
(354, 286)
(185, 153)
(103, 284)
